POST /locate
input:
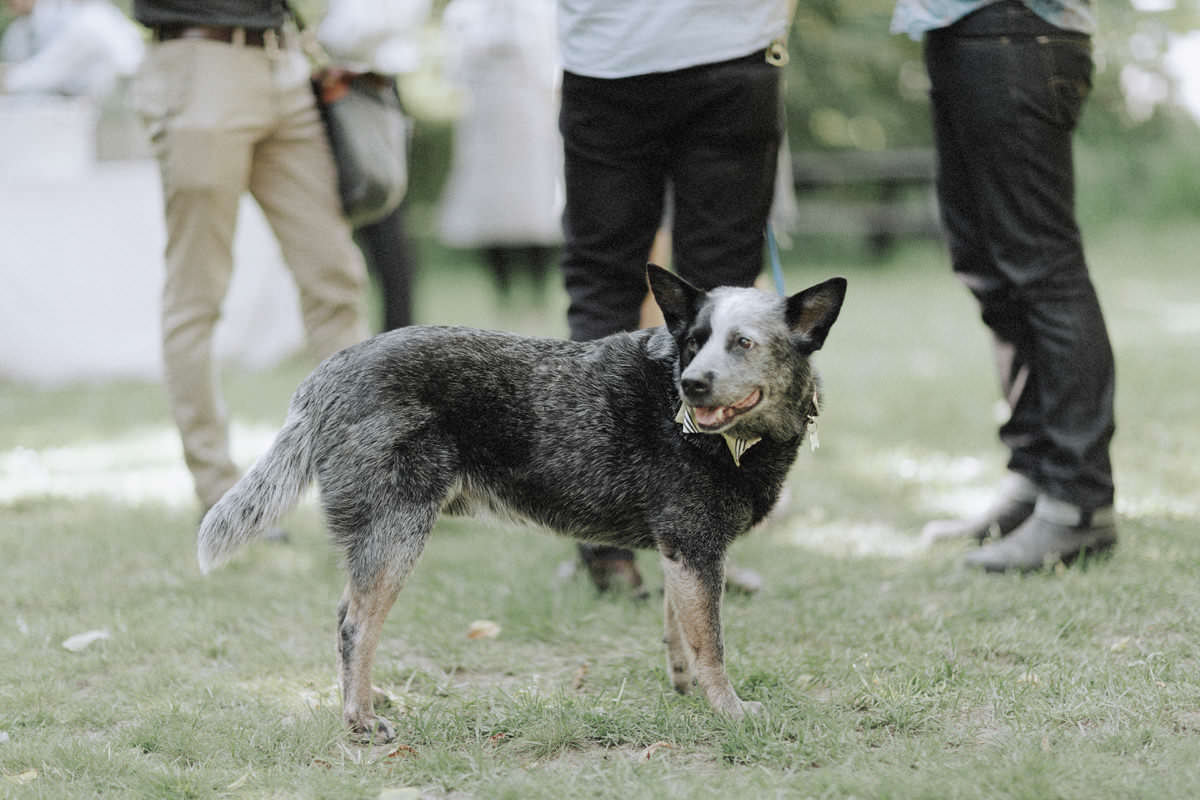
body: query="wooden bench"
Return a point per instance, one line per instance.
(879, 196)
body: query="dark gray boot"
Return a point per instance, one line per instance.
(1057, 531)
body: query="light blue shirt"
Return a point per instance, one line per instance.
(914, 17)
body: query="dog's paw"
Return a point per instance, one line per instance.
(371, 730)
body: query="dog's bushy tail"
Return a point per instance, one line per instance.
(269, 490)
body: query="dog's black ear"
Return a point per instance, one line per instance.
(812, 312)
(678, 299)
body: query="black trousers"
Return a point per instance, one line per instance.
(712, 133)
(389, 255)
(1007, 91)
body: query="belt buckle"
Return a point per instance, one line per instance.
(777, 53)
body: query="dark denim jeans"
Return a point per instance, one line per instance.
(1007, 92)
(712, 132)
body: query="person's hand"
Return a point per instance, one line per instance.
(334, 83)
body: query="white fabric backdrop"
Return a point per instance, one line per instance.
(81, 263)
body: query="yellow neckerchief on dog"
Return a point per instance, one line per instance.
(737, 446)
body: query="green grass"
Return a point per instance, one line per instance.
(887, 670)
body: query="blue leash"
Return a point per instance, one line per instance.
(776, 267)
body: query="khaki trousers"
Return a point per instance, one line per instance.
(225, 119)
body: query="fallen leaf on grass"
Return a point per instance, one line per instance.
(580, 675)
(81, 640)
(320, 763)
(28, 776)
(483, 629)
(401, 750)
(652, 749)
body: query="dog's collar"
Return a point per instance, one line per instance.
(737, 446)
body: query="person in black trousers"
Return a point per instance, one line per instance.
(389, 255)
(707, 132)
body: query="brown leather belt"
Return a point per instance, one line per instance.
(214, 33)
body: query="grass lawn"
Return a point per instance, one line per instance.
(887, 669)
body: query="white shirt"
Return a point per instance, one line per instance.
(74, 48)
(621, 38)
(380, 36)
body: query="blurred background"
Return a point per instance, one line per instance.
(81, 205)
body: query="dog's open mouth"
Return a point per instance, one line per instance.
(715, 417)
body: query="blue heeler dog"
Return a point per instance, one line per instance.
(677, 438)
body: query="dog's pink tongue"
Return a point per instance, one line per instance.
(709, 417)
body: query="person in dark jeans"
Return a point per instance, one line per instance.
(1007, 89)
(389, 255)
(691, 106)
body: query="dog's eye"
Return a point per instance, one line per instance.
(690, 345)
(745, 343)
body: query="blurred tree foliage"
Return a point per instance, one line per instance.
(851, 84)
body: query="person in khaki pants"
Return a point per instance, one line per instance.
(229, 109)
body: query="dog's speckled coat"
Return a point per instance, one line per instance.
(578, 437)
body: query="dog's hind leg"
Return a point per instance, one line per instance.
(379, 563)
(694, 592)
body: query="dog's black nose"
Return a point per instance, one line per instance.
(696, 388)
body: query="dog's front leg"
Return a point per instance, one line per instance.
(678, 664)
(693, 592)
